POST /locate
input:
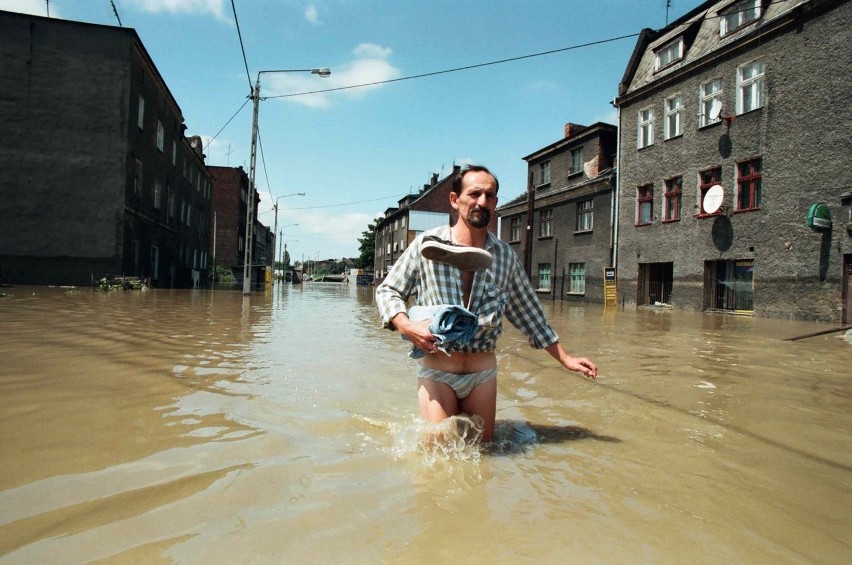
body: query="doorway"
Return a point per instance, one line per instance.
(729, 285)
(655, 283)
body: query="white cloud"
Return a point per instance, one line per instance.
(372, 51)
(369, 66)
(32, 7)
(212, 7)
(311, 15)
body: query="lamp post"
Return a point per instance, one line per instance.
(255, 98)
(275, 229)
(275, 239)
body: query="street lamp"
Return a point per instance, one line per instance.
(275, 229)
(255, 98)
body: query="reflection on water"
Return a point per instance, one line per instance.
(197, 426)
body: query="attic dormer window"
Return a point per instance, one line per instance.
(668, 54)
(739, 15)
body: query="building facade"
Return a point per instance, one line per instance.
(562, 228)
(100, 179)
(414, 214)
(734, 161)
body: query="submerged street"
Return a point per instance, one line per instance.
(205, 426)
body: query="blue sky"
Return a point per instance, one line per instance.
(355, 152)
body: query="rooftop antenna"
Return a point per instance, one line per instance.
(668, 5)
(47, 4)
(115, 11)
(228, 155)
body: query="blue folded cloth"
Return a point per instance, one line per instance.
(451, 325)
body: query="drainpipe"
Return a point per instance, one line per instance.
(614, 207)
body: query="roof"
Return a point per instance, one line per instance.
(583, 134)
(699, 29)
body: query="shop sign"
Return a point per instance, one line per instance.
(819, 217)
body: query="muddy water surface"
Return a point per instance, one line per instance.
(205, 427)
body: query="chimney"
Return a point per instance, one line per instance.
(572, 129)
(434, 179)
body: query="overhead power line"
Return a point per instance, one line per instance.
(457, 69)
(242, 47)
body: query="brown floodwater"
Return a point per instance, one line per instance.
(207, 427)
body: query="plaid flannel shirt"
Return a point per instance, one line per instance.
(502, 289)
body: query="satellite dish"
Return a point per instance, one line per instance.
(713, 199)
(715, 110)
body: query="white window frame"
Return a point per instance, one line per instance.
(645, 128)
(544, 169)
(669, 54)
(545, 225)
(576, 161)
(673, 116)
(158, 190)
(544, 276)
(709, 92)
(515, 228)
(137, 178)
(140, 114)
(577, 278)
(161, 136)
(739, 15)
(754, 85)
(585, 216)
(174, 152)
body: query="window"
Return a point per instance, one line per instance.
(711, 92)
(673, 117)
(161, 136)
(140, 114)
(544, 170)
(394, 247)
(171, 205)
(646, 128)
(576, 161)
(707, 179)
(402, 222)
(544, 276)
(188, 214)
(669, 53)
(137, 178)
(545, 227)
(645, 204)
(729, 285)
(174, 152)
(739, 15)
(389, 250)
(585, 215)
(577, 273)
(515, 229)
(749, 180)
(674, 188)
(750, 87)
(158, 189)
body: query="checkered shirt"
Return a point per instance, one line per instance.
(502, 289)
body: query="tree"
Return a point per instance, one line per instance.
(367, 245)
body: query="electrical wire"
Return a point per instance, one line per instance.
(242, 47)
(226, 124)
(457, 69)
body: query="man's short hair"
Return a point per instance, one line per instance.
(456, 185)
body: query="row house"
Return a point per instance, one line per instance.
(230, 198)
(562, 228)
(734, 162)
(415, 213)
(100, 178)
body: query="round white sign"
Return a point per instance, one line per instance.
(713, 199)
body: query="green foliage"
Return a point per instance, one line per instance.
(367, 246)
(221, 274)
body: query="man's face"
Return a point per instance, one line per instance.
(478, 199)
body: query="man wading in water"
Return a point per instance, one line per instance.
(464, 378)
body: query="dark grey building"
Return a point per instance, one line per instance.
(96, 175)
(562, 227)
(734, 161)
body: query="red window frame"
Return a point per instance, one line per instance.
(673, 196)
(707, 179)
(749, 184)
(644, 196)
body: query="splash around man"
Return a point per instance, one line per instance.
(465, 381)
